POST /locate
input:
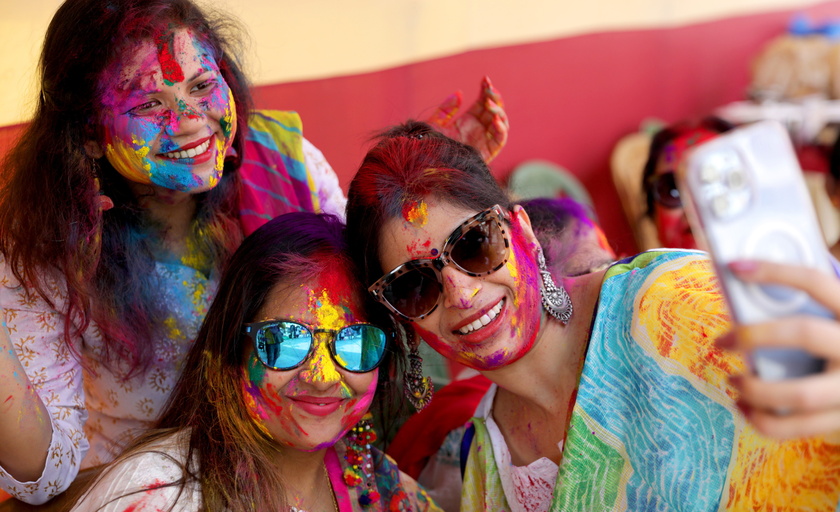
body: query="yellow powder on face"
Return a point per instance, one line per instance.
(127, 159)
(330, 316)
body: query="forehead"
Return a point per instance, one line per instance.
(422, 228)
(173, 56)
(330, 299)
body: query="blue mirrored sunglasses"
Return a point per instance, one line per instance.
(284, 345)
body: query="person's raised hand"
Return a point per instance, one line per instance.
(800, 407)
(484, 125)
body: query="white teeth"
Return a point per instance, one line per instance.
(201, 148)
(485, 319)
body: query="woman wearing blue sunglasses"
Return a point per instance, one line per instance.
(271, 411)
(609, 392)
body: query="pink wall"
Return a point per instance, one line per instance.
(569, 100)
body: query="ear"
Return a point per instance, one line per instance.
(93, 149)
(520, 216)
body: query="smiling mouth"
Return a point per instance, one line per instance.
(483, 320)
(189, 153)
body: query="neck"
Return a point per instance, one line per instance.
(535, 394)
(549, 371)
(172, 209)
(307, 482)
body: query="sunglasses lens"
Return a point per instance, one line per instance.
(666, 192)
(283, 345)
(413, 293)
(359, 348)
(480, 249)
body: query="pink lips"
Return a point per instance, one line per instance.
(197, 159)
(485, 332)
(317, 405)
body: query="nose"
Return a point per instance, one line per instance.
(183, 118)
(459, 289)
(319, 369)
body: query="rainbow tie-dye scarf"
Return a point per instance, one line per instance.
(655, 426)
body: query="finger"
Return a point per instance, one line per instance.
(444, 112)
(795, 425)
(488, 90)
(803, 395)
(817, 335)
(822, 287)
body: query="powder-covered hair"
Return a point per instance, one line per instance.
(50, 216)
(236, 458)
(407, 163)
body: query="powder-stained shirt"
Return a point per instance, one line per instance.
(92, 410)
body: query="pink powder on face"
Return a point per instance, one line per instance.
(526, 318)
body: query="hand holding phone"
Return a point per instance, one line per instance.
(746, 199)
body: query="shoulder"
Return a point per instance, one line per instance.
(151, 478)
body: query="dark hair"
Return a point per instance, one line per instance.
(409, 162)
(234, 456)
(668, 135)
(50, 216)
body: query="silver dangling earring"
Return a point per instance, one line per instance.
(418, 389)
(555, 300)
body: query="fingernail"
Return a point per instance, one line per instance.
(745, 409)
(726, 342)
(742, 266)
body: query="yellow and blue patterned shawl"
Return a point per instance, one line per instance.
(655, 426)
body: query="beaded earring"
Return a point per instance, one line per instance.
(359, 470)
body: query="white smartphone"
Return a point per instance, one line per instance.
(745, 198)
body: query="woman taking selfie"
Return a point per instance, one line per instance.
(609, 391)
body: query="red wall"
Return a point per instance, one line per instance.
(569, 100)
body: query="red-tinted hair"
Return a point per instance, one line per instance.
(408, 163)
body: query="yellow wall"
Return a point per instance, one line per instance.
(304, 39)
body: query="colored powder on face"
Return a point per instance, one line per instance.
(253, 395)
(321, 365)
(418, 249)
(185, 110)
(172, 72)
(416, 213)
(128, 161)
(526, 320)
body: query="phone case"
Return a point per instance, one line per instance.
(745, 198)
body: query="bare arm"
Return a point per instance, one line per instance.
(41, 397)
(24, 423)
